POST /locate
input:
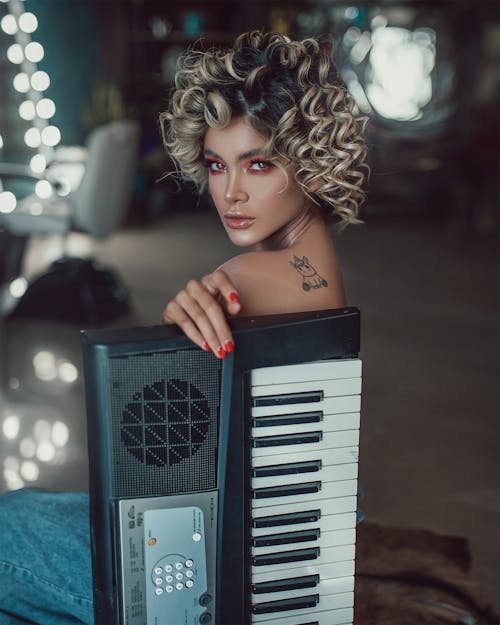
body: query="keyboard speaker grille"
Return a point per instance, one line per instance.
(164, 419)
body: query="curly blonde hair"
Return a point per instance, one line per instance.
(291, 93)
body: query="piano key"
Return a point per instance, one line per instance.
(288, 468)
(287, 490)
(292, 518)
(286, 584)
(339, 455)
(282, 605)
(281, 399)
(328, 602)
(327, 440)
(328, 506)
(339, 616)
(324, 540)
(330, 405)
(285, 588)
(330, 423)
(287, 538)
(329, 570)
(320, 370)
(300, 520)
(328, 490)
(332, 473)
(286, 557)
(292, 418)
(297, 438)
(301, 558)
(330, 388)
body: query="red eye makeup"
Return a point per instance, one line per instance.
(214, 166)
(259, 166)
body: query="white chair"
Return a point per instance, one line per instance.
(96, 207)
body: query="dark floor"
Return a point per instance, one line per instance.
(429, 446)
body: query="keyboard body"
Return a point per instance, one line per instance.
(225, 491)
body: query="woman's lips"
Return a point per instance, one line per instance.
(238, 222)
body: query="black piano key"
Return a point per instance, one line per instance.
(286, 490)
(290, 468)
(281, 605)
(286, 538)
(283, 557)
(287, 439)
(291, 583)
(288, 398)
(287, 419)
(291, 518)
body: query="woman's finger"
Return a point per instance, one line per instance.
(174, 313)
(208, 315)
(219, 283)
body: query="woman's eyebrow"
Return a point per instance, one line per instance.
(241, 157)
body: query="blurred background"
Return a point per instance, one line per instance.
(93, 235)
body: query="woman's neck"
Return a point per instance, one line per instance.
(294, 231)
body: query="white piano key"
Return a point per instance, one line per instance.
(329, 405)
(344, 438)
(326, 556)
(326, 523)
(326, 539)
(337, 505)
(345, 568)
(319, 370)
(329, 423)
(330, 388)
(329, 586)
(329, 490)
(339, 455)
(328, 602)
(330, 473)
(341, 616)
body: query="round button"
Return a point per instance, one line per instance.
(189, 573)
(179, 586)
(158, 581)
(158, 591)
(169, 568)
(158, 570)
(189, 563)
(179, 576)
(206, 617)
(205, 599)
(169, 578)
(169, 588)
(197, 537)
(189, 583)
(178, 565)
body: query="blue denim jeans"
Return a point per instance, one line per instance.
(45, 568)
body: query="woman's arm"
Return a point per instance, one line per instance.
(256, 283)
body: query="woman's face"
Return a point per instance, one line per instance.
(254, 197)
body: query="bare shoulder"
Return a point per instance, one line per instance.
(290, 280)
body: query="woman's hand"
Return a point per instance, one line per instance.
(200, 311)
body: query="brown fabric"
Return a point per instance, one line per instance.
(415, 577)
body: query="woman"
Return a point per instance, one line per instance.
(269, 125)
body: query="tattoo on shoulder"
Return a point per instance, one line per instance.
(310, 277)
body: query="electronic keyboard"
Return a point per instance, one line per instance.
(224, 491)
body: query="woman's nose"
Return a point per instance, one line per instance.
(235, 192)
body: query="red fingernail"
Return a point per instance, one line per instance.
(229, 346)
(221, 353)
(205, 346)
(233, 296)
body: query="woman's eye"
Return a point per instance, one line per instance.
(260, 165)
(214, 166)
